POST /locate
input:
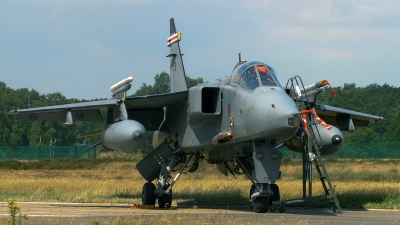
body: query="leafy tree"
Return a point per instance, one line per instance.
(35, 134)
(162, 85)
(363, 134)
(393, 133)
(19, 136)
(193, 82)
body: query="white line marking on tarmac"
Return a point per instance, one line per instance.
(29, 215)
(385, 210)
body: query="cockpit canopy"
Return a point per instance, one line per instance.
(253, 74)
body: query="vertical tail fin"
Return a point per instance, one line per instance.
(177, 71)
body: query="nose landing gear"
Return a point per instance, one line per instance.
(264, 197)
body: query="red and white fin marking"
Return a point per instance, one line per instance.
(174, 38)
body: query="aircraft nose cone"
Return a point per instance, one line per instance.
(283, 117)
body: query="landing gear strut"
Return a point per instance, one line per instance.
(165, 201)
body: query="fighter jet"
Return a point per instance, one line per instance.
(237, 123)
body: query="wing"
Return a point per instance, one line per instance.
(345, 119)
(83, 111)
(147, 110)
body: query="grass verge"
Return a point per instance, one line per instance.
(358, 183)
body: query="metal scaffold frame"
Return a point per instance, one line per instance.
(311, 154)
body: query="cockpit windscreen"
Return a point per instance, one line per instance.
(249, 79)
(268, 76)
(251, 75)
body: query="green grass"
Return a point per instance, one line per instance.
(59, 164)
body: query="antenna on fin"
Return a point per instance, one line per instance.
(240, 56)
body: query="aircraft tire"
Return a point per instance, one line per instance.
(165, 201)
(276, 196)
(259, 206)
(148, 197)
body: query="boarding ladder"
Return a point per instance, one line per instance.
(311, 149)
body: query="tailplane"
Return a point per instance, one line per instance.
(177, 71)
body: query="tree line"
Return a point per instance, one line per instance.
(380, 100)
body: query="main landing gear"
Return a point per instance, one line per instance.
(149, 198)
(162, 191)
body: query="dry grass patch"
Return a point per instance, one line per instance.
(368, 184)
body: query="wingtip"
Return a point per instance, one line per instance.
(12, 112)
